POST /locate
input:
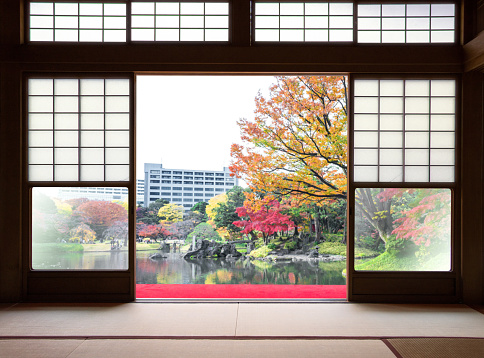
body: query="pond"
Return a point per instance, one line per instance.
(175, 270)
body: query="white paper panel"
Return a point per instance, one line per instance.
(92, 104)
(393, 23)
(266, 8)
(391, 122)
(340, 35)
(217, 22)
(143, 8)
(92, 138)
(416, 157)
(366, 122)
(66, 138)
(316, 35)
(362, 174)
(416, 174)
(41, 104)
(117, 121)
(442, 36)
(292, 9)
(266, 35)
(366, 105)
(92, 87)
(143, 21)
(442, 140)
(291, 22)
(391, 139)
(366, 139)
(191, 8)
(118, 103)
(212, 8)
(41, 156)
(41, 35)
(114, 35)
(66, 156)
(168, 21)
(442, 88)
(41, 172)
(340, 8)
(191, 21)
(66, 87)
(66, 35)
(66, 104)
(442, 174)
(267, 22)
(142, 34)
(117, 172)
(366, 88)
(366, 157)
(417, 139)
(92, 156)
(40, 121)
(316, 22)
(391, 105)
(391, 88)
(393, 37)
(66, 121)
(417, 87)
(391, 157)
(167, 35)
(41, 139)
(92, 121)
(292, 35)
(443, 105)
(39, 86)
(66, 173)
(369, 10)
(170, 8)
(418, 36)
(391, 174)
(417, 105)
(42, 8)
(369, 36)
(92, 172)
(117, 155)
(417, 122)
(216, 35)
(443, 122)
(117, 139)
(369, 24)
(442, 156)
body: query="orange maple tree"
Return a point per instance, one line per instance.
(296, 145)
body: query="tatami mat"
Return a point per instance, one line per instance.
(149, 348)
(438, 347)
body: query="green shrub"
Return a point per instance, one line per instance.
(290, 245)
(262, 251)
(332, 248)
(272, 246)
(57, 247)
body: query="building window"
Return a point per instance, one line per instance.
(176, 200)
(177, 173)
(177, 181)
(208, 183)
(198, 194)
(209, 189)
(154, 181)
(166, 181)
(166, 172)
(209, 195)
(198, 183)
(187, 194)
(176, 194)
(165, 188)
(177, 188)
(188, 189)
(198, 189)
(198, 173)
(165, 193)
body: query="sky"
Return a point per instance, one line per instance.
(189, 122)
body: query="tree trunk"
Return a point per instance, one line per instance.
(317, 230)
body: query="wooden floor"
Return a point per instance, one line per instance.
(229, 329)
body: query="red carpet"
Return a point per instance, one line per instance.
(240, 291)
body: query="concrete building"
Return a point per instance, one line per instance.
(185, 187)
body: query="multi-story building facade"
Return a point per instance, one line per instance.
(185, 187)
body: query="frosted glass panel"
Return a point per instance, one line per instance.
(117, 172)
(442, 157)
(316, 35)
(391, 157)
(41, 172)
(216, 35)
(369, 36)
(442, 88)
(417, 139)
(292, 35)
(417, 105)
(41, 87)
(366, 88)
(66, 173)
(41, 139)
(366, 139)
(66, 138)
(267, 22)
(393, 37)
(416, 174)
(66, 156)
(443, 122)
(391, 122)
(92, 156)
(366, 157)
(442, 140)
(92, 172)
(443, 105)
(417, 157)
(442, 174)
(40, 121)
(417, 87)
(363, 174)
(366, 122)
(117, 104)
(292, 9)
(117, 156)
(117, 139)
(92, 139)
(391, 105)
(292, 22)
(391, 139)
(41, 156)
(92, 87)
(391, 174)
(366, 105)
(92, 121)
(417, 123)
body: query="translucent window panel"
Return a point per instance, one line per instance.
(65, 86)
(442, 174)
(66, 173)
(92, 155)
(117, 139)
(66, 104)
(41, 87)
(391, 174)
(74, 22)
(92, 121)
(41, 139)
(92, 86)
(405, 139)
(117, 104)
(66, 138)
(334, 21)
(117, 121)
(391, 157)
(442, 156)
(97, 240)
(117, 172)
(115, 86)
(406, 23)
(92, 172)
(117, 156)
(92, 104)
(365, 173)
(366, 157)
(41, 104)
(66, 156)
(92, 138)
(179, 21)
(416, 157)
(411, 227)
(41, 156)
(40, 121)
(442, 88)
(41, 172)
(366, 122)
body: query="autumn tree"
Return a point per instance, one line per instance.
(153, 231)
(100, 215)
(118, 231)
(170, 213)
(296, 145)
(149, 215)
(201, 207)
(225, 212)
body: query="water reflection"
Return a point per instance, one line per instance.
(175, 270)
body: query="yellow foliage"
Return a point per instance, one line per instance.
(212, 204)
